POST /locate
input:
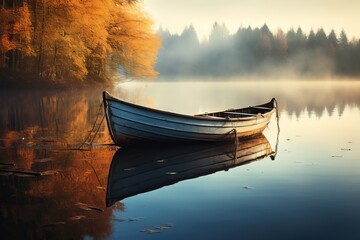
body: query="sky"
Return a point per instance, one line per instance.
(175, 15)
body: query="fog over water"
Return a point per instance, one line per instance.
(252, 52)
(183, 95)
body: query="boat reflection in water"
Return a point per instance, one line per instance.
(138, 170)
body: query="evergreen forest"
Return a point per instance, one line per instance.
(259, 52)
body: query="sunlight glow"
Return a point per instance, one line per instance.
(329, 14)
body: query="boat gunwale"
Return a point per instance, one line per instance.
(265, 115)
(108, 97)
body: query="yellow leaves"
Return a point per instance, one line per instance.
(6, 44)
(90, 21)
(22, 20)
(132, 41)
(79, 39)
(92, 31)
(6, 17)
(15, 30)
(66, 59)
(23, 27)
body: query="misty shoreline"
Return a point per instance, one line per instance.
(260, 52)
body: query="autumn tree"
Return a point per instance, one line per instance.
(74, 40)
(133, 46)
(15, 35)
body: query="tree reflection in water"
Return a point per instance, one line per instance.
(68, 198)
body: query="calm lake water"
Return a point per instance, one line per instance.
(51, 190)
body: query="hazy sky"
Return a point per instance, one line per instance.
(329, 14)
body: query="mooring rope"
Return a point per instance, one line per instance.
(97, 130)
(93, 131)
(278, 127)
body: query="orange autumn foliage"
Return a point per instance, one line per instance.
(129, 31)
(15, 31)
(70, 41)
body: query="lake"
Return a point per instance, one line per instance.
(53, 186)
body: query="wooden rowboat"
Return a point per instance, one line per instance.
(131, 124)
(138, 170)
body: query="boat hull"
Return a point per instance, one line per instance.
(131, 124)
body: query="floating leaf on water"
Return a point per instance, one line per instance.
(127, 220)
(128, 169)
(43, 160)
(96, 208)
(150, 231)
(90, 208)
(345, 149)
(24, 175)
(168, 225)
(50, 172)
(80, 204)
(157, 229)
(85, 208)
(134, 219)
(119, 219)
(76, 218)
(163, 227)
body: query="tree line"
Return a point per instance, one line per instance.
(258, 51)
(75, 41)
